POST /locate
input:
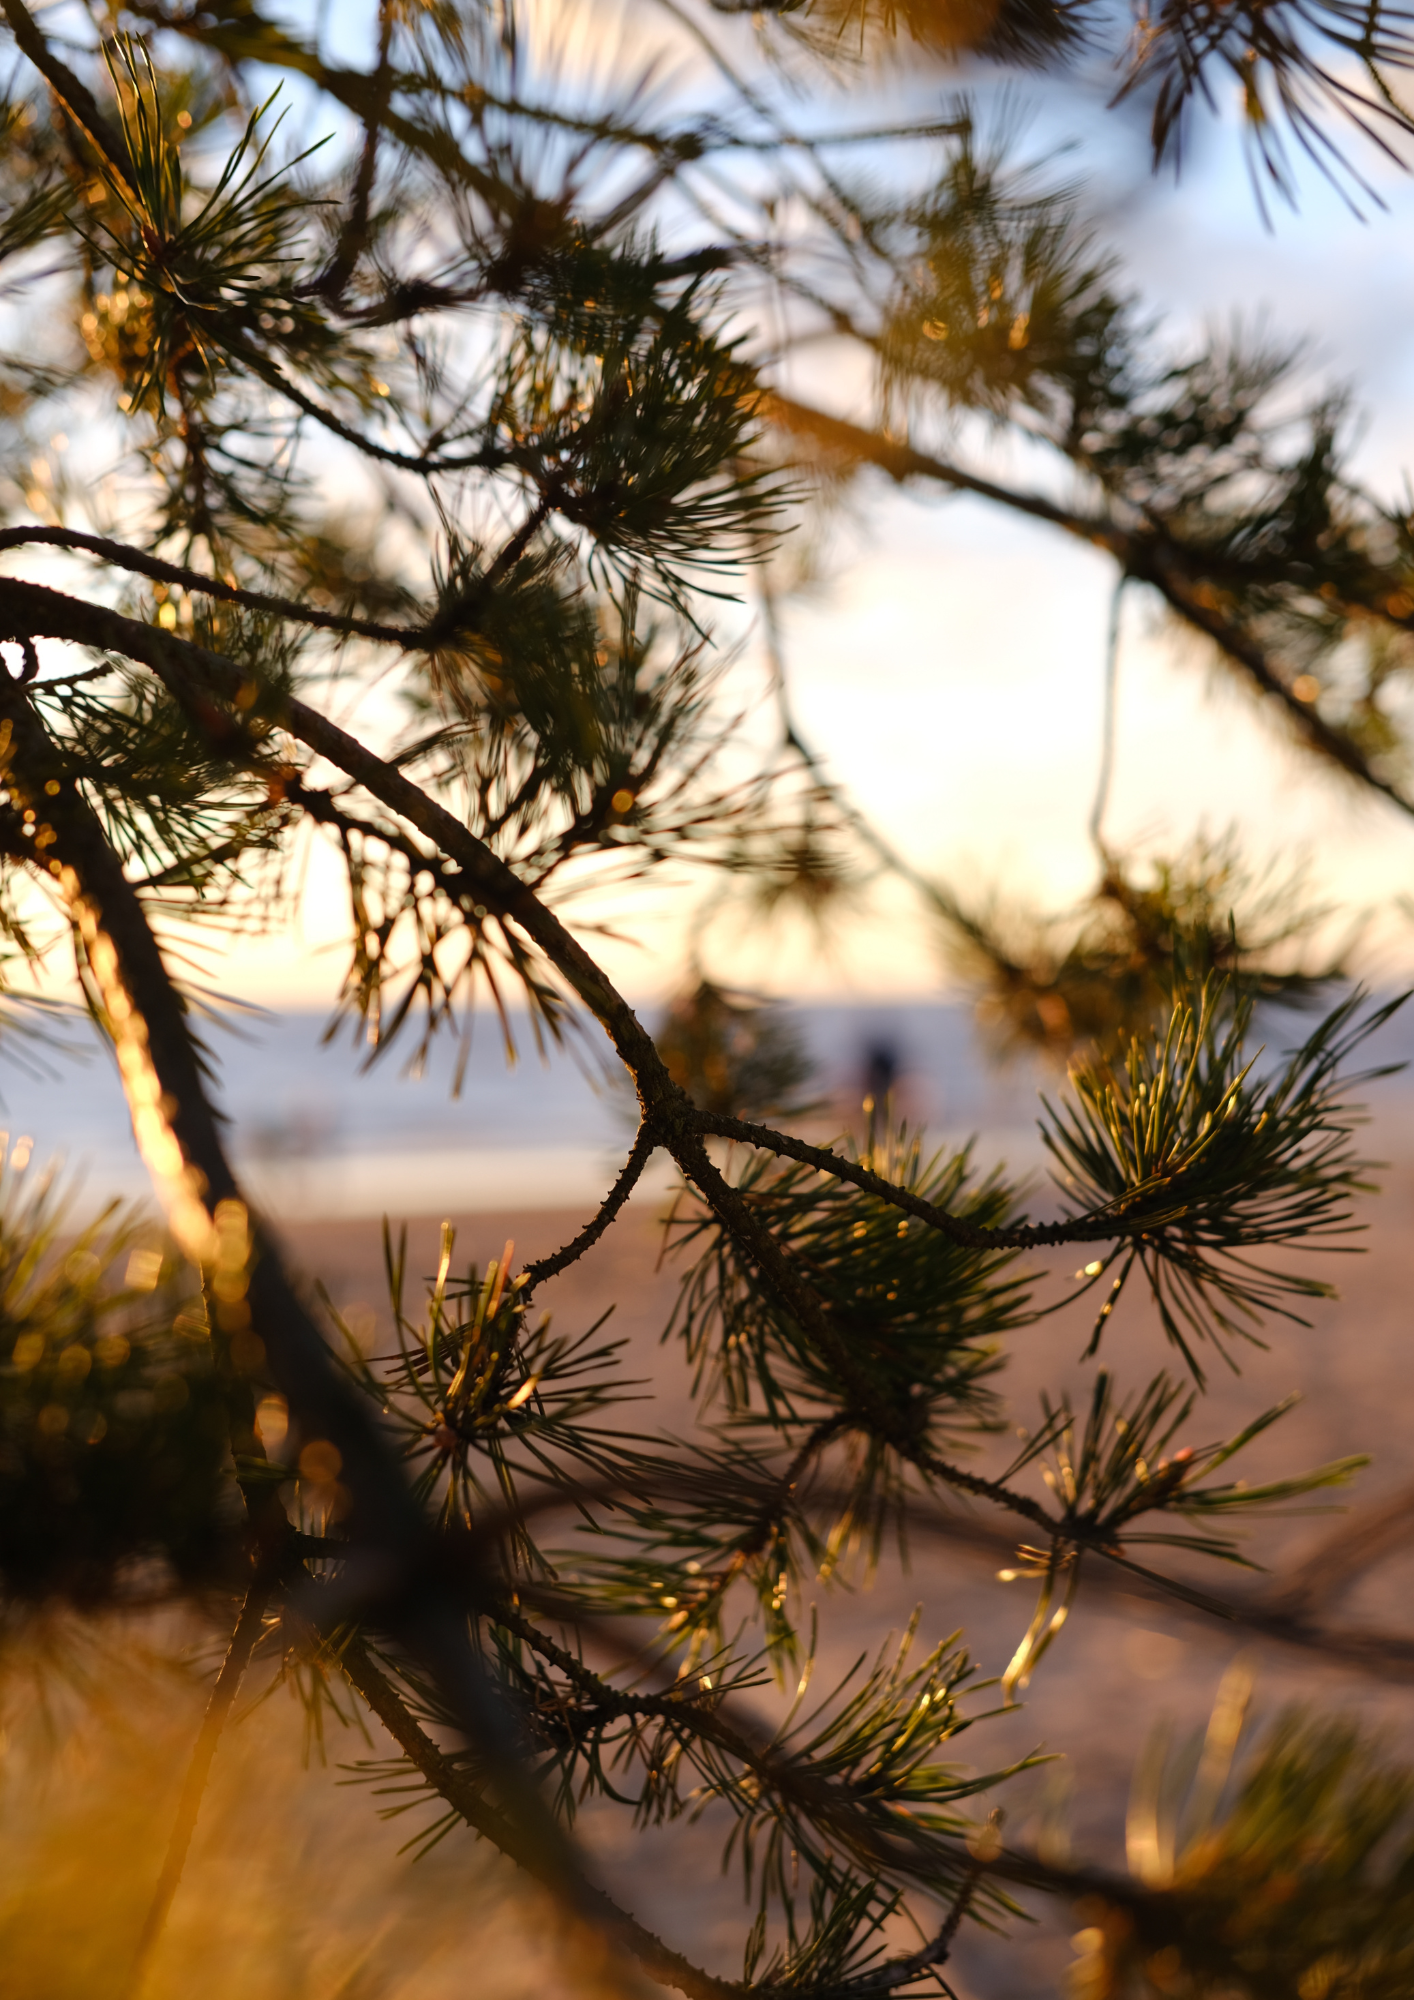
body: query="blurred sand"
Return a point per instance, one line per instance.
(294, 1887)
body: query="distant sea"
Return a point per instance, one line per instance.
(318, 1133)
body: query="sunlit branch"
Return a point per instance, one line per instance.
(75, 95)
(181, 1144)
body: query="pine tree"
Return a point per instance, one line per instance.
(510, 324)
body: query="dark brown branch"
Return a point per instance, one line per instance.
(889, 1978)
(1105, 1227)
(139, 563)
(464, 1795)
(830, 1802)
(543, 1268)
(448, 623)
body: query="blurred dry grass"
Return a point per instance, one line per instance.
(294, 1889)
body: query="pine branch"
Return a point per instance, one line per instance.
(454, 616)
(464, 1795)
(938, 1950)
(835, 1805)
(758, 1539)
(364, 983)
(780, 1274)
(452, 1783)
(139, 563)
(1269, 1613)
(1149, 555)
(971, 1236)
(1145, 1209)
(677, 1121)
(487, 458)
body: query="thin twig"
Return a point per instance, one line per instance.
(889, 1978)
(1379, 1655)
(249, 1626)
(353, 236)
(1107, 722)
(629, 1174)
(1155, 558)
(1105, 1227)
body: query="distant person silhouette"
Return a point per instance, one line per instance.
(881, 1071)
